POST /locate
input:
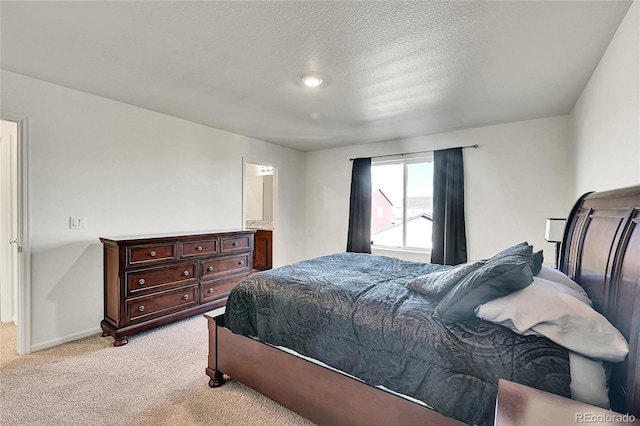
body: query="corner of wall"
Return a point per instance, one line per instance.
(605, 121)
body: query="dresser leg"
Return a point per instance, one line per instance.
(217, 380)
(121, 341)
(104, 334)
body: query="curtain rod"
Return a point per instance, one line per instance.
(417, 152)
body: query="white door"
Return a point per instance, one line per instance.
(15, 248)
(9, 221)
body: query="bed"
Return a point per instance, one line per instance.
(600, 252)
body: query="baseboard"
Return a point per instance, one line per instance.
(70, 338)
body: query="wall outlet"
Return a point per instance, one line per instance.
(77, 222)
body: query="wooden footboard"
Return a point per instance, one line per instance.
(322, 395)
(216, 377)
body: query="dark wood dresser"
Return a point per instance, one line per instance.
(151, 280)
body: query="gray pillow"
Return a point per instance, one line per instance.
(508, 271)
(437, 284)
(538, 259)
(514, 250)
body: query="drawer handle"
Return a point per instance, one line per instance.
(235, 243)
(152, 254)
(199, 248)
(211, 290)
(141, 308)
(210, 268)
(141, 281)
(241, 262)
(185, 273)
(185, 297)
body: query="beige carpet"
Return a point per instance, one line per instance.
(156, 379)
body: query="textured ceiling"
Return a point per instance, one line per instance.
(392, 69)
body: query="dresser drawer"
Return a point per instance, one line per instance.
(231, 244)
(218, 289)
(199, 248)
(161, 278)
(140, 255)
(142, 308)
(224, 266)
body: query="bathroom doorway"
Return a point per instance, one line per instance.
(260, 183)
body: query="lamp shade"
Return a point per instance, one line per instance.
(555, 229)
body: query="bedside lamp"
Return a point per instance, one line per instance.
(554, 233)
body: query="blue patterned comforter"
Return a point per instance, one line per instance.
(354, 313)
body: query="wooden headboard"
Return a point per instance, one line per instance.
(601, 251)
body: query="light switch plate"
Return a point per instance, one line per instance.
(77, 222)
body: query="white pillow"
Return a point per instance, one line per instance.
(578, 293)
(545, 308)
(552, 274)
(588, 381)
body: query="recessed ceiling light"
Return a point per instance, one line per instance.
(310, 80)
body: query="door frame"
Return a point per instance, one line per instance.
(250, 160)
(23, 313)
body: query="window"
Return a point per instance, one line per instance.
(402, 203)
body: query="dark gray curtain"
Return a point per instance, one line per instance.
(359, 236)
(449, 235)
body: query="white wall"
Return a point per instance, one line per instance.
(130, 171)
(520, 175)
(606, 118)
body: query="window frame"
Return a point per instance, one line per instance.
(405, 160)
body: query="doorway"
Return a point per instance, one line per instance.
(9, 228)
(260, 187)
(14, 247)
